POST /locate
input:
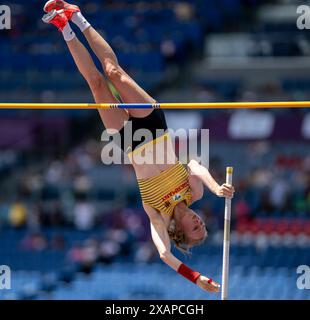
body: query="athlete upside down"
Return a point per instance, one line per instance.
(176, 188)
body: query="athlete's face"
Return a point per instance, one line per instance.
(193, 226)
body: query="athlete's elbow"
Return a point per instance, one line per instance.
(164, 255)
(198, 195)
(192, 163)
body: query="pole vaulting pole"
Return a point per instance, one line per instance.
(226, 241)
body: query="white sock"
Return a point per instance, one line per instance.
(80, 21)
(68, 33)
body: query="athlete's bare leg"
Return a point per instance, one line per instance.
(111, 118)
(128, 89)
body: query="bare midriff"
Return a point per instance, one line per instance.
(158, 157)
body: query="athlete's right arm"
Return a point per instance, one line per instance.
(202, 173)
(162, 242)
(161, 238)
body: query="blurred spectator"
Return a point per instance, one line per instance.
(82, 185)
(84, 215)
(85, 255)
(146, 252)
(108, 251)
(242, 210)
(34, 241)
(17, 215)
(184, 11)
(279, 193)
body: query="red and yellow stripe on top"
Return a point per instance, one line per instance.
(165, 191)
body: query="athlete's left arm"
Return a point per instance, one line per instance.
(202, 174)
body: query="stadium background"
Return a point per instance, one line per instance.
(72, 228)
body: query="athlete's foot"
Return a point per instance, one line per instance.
(57, 18)
(69, 9)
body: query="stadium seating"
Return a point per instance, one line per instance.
(254, 274)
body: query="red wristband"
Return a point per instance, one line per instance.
(188, 273)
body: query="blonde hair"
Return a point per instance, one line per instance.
(180, 240)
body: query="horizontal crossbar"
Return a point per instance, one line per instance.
(207, 105)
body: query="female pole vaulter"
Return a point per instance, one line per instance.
(167, 189)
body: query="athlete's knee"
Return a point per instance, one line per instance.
(112, 70)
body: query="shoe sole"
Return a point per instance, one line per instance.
(49, 2)
(51, 15)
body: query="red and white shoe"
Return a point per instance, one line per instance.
(57, 18)
(69, 9)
